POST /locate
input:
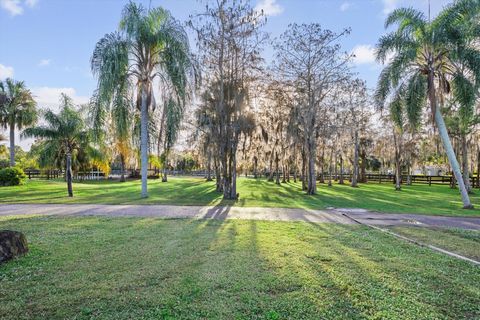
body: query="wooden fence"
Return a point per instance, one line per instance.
(115, 173)
(414, 179)
(155, 173)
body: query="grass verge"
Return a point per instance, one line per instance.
(147, 268)
(463, 242)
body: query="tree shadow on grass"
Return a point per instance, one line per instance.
(383, 270)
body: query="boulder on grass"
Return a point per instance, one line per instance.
(12, 244)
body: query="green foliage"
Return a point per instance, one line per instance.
(4, 163)
(12, 176)
(187, 163)
(153, 161)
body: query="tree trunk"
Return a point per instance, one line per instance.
(233, 186)
(12, 145)
(312, 179)
(270, 174)
(255, 165)
(398, 164)
(478, 168)
(465, 173)
(340, 179)
(295, 171)
(144, 141)
(218, 176)
(209, 167)
(355, 162)
(330, 168)
(409, 175)
(164, 175)
(304, 171)
(277, 170)
(363, 166)
(122, 168)
(68, 174)
(442, 129)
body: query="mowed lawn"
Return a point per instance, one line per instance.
(148, 268)
(421, 199)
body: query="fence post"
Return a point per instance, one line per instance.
(429, 180)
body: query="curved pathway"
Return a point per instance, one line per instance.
(333, 215)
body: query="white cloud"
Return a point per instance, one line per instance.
(44, 62)
(31, 3)
(389, 6)
(345, 6)
(5, 72)
(16, 7)
(48, 97)
(364, 54)
(269, 7)
(12, 6)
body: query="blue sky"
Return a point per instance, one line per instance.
(48, 43)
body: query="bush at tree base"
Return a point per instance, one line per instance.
(12, 176)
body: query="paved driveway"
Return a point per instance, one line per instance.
(253, 213)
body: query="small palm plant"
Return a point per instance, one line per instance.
(17, 109)
(149, 45)
(64, 134)
(426, 56)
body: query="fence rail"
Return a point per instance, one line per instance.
(155, 172)
(414, 179)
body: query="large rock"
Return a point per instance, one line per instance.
(12, 244)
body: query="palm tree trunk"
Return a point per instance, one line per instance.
(12, 145)
(68, 174)
(442, 130)
(144, 141)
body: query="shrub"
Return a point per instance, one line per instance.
(12, 176)
(4, 163)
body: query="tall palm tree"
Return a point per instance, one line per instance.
(424, 67)
(149, 45)
(64, 134)
(17, 110)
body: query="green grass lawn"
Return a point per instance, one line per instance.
(464, 242)
(134, 268)
(422, 199)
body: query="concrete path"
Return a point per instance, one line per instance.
(228, 212)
